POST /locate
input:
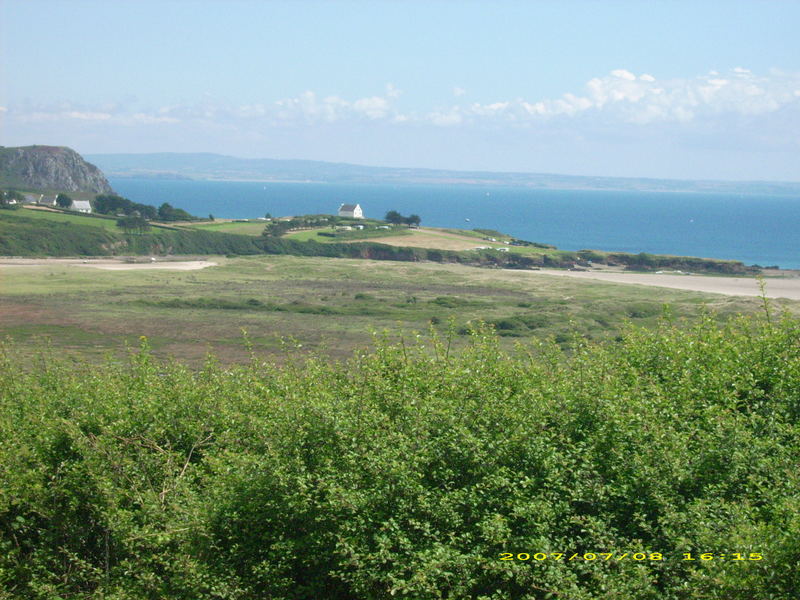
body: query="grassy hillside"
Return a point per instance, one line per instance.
(29, 232)
(662, 466)
(25, 238)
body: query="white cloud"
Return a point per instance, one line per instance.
(374, 107)
(617, 99)
(623, 97)
(392, 91)
(87, 116)
(623, 74)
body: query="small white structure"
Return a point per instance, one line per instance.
(82, 206)
(351, 210)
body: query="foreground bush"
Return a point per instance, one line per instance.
(408, 472)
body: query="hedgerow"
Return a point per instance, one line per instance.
(407, 472)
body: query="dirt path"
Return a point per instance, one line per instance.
(108, 264)
(731, 286)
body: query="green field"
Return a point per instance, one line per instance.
(343, 236)
(108, 223)
(251, 227)
(326, 305)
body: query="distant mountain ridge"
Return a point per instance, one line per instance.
(167, 165)
(50, 168)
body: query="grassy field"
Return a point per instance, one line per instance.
(108, 223)
(251, 227)
(325, 305)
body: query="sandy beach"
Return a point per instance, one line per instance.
(732, 286)
(108, 264)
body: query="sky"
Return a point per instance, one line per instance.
(676, 89)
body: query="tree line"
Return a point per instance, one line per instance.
(395, 218)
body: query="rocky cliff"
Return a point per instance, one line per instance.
(50, 168)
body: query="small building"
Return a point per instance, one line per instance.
(351, 210)
(82, 206)
(32, 198)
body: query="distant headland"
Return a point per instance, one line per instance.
(207, 166)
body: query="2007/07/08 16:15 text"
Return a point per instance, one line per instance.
(640, 556)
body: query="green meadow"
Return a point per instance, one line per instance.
(329, 306)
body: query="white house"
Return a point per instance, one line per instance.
(351, 210)
(83, 206)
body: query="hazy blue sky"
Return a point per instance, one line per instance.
(641, 88)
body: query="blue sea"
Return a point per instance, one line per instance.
(755, 229)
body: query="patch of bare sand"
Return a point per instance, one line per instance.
(108, 264)
(731, 286)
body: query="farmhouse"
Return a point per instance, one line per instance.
(83, 206)
(351, 210)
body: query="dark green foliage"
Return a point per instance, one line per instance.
(111, 204)
(648, 262)
(11, 199)
(408, 471)
(394, 217)
(167, 212)
(63, 201)
(133, 223)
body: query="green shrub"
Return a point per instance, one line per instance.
(408, 471)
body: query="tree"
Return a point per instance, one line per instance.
(133, 223)
(63, 201)
(394, 217)
(11, 199)
(167, 212)
(413, 220)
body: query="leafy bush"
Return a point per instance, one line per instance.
(409, 471)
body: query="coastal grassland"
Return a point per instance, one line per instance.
(108, 223)
(329, 306)
(409, 471)
(328, 235)
(251, 227)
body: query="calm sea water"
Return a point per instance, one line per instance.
(755, 229)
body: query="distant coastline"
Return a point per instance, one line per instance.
(217, 167)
